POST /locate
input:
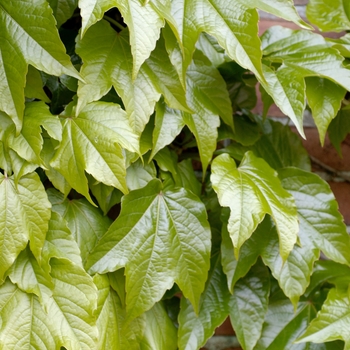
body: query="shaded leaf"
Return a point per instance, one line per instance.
(196, 329)
(63, 9)
(155, 248)
(332, 322)
(139, 175)
(280, 147)
(34, 85)
(339, 128)
(323, 109)
(248, 305)
(86, 223)
(251, 191)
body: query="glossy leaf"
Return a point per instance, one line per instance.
(318, 12)
(323, 109)
(332, 322)
(195, 330)
(318, 213)
(248, 305)
(109, 64)
(92, 142)
(28, 36)
(155, 248)
(25, 215)
(247, 191)
(303, 54)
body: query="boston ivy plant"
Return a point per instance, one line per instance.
(142, 202)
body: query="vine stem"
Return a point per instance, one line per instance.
(114, 22)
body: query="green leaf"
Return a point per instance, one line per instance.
(303, 54)
(235, 27)
(280, 147)
(29, 143)
(67, 319)
(323, 109)
(28, 36)
(60, 242)
(155, 248)
(72, 304)
(248, 305)
(92, 142)
(106, 196)
(328, 15)
(30, 277)
(168, 124)
(339, 128)
(152, 330)
(24, 324)
(139, 175)
(34, 85)
(196, 329)
(207, 96)
(86, 223)
(109, 65)
(332, 322)
(63, 9)
(25, 215)
(283, 324)
(251, 191)
(318, 213)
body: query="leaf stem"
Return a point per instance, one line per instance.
(114, 22)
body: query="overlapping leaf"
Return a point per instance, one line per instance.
(160, 238)
(28, 36)
(251, 191)
(332, 322)
(318, 12)
(63, 9)
(107, 61)
(25, 215)
(248, 305)
(195, 330)
(85, 222)
(301, 54)
(93, 142)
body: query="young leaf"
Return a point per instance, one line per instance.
(92, 142)
(196, 329)
(332, 322)
(139, 175)
(339, 128)
(155, 247)
(248, 305)
(25, 216)
(28, 36)
(251, 191)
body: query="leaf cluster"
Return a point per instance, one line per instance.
(142, 202)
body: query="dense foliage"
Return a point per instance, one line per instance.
(142, 202)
